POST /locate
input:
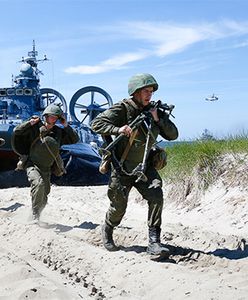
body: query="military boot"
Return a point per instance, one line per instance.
(154, 246)
(107, 238)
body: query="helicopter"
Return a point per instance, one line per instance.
(26, 98)
(212, 97)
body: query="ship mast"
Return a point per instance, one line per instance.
(33, 61)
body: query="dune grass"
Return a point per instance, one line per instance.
(201, 156)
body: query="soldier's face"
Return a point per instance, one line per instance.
(144, 96)
(51, 119)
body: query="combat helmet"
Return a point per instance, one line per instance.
(140, 81)
(53, 109)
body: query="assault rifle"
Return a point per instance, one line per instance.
(144, 118)
(162, 106)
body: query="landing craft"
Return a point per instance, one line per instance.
(26, 98)
(212, 98)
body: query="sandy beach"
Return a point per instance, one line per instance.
(62, 256)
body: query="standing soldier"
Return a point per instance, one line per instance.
(115, 121)
(42, 141)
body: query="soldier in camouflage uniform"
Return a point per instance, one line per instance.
(114, 121)
(38, 136)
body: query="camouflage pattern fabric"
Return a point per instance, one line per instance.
(108, 123)
(40, 188)
(118, 191)
(40, 160)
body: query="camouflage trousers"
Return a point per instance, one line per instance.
(118, 192)
(40, 188)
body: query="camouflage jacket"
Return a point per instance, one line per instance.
(124, 112)
(27, 142)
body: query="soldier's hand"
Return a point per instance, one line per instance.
(126, 130)
(154, 114)
(63, 121)
(34, 120)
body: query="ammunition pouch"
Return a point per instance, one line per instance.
(157, 157)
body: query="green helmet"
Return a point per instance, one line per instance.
(140, 81)
(53, 109)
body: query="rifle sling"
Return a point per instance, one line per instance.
(48, 148)
(34, 141)
(50, 151)
(129, 144)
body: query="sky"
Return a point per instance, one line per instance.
(193, 48)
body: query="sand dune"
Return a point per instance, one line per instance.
(62, 257)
